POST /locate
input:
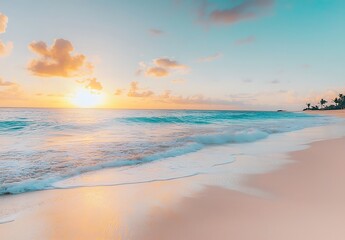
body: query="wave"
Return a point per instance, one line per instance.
(230, 137)
(195, 144)
(208, 117)
(13, 125)
(78, 145)
(46, 183)
(167, 119)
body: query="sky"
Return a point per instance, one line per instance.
(171, 54)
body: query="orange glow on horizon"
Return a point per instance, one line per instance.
(85, 98)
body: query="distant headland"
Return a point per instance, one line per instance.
(338, 103)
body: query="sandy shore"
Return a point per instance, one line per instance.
(307, 203)
(337, 113)
(303, 200)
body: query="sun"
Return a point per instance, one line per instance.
(85, 98)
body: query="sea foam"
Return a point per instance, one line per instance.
(42, 146)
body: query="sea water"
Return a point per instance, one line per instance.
(40, 147)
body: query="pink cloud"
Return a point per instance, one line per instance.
(167, 63)
(245, 10)
(210, 58)
(135, 91)
(161, 67)
(168, 97)
(155, 32)
(157, 72)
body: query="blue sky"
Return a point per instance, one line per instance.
(287, 53)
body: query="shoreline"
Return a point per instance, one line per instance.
(305, 202)
(336, 113)
(163, 209)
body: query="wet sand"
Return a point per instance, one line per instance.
(306, 202)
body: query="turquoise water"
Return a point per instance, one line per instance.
(42, 146)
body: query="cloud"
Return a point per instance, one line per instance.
(179, 80)
(118, 92)
(195, 100)
(54, 95)
(245, 41)
(157, 72)
(141, 69)
(167, 63)
(135, 91)
(9, 91)
(210, 58)
(93, 84)
(242, 97)
(5, 48)
(279, 99)
(167, 97)
(203, 11)
(57, 60)
(155, 32)
(275, 81)
(243, 11)
(3, 23)
(265, 100)
(161, 67)
(4, 83)
(13, 92)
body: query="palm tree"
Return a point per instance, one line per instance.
(308, 105)
(336, 101)
(323, 102)
(341, 100)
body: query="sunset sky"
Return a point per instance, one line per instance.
(192, 54)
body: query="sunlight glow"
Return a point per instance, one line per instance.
(85, 98)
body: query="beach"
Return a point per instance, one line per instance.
(337, 113)
(172, 120)
(307, 203)
(296, 195)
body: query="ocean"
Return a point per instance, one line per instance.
(39, 147)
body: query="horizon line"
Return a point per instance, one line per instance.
(161, 109)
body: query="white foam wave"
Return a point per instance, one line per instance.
(250, 135)
(188, 165)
